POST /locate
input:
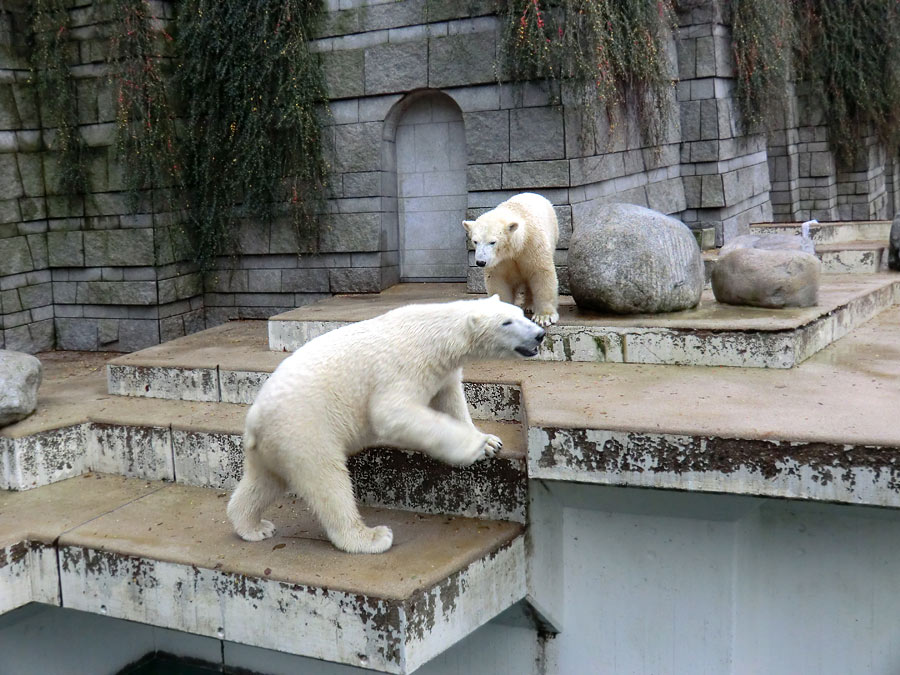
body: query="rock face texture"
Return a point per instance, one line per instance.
(633, 260)
(767, 278)
(20, 377)
(894, 248)
(770, 242)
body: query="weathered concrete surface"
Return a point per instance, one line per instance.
(170, 559)
(712, 334)
(772, 433)
(833, 232)
(30, 523)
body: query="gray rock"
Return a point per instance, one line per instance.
(20, 377)
(770, 242)
(767, 278)
(894, 247)
(630, 259)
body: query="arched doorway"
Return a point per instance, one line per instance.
(431, 189)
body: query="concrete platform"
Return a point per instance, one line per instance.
(712, 334)
(165, 555)
(831, 232)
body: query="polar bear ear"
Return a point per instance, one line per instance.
(512, 227)
(468, 225)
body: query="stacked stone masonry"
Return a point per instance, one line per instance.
(91, 272)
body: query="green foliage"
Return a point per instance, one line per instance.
(56, 90)
(146, 140)
(762, 37)
(849, 53)
(254, 93)
(612, 52)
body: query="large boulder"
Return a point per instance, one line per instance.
(894, 245)
(632, 260)
(767, 278)
(20, 377)
(771, 242)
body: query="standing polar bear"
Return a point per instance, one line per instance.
(392, 380)
(515, 243)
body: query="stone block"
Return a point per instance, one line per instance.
(77, 334)
(359, 280)
(314, 280)
(713, 194)
(483, 177)
(9, 211)
(391, 68)
(686, 49)
(595, 169)
(709, 120)
(33, 208)
(65, 249)
(137, 334)
(264, 281)
(350, 232)
(65, 206)
(460, 60)
(536, 133)
(118, 247)
(549, 174)
(106, 204)
(487, 136)
(116, 293)
(10, 183)
(821, 164)
(38, 295)
(357, 147)
(362, 184)
(690, 120)
(344, 73)
(15, 255)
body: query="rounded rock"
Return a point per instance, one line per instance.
(767, 278)
(20, 377)
(894, 245)
(633, 260)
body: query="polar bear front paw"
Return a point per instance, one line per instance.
(487, 445)
(365, 540)
(265, 530)
(546, 319)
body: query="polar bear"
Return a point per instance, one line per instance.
(514, 243)
(392, 380)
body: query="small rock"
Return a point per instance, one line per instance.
(770, 242)
(894, 245)
(767, 278)
(20, 377)
(631, 260)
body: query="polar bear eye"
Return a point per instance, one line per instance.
(475, 241)
(507, 322)
(491, 243)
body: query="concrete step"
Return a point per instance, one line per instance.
(710, 335)
(852, 257)
(833, 232)
(200, 443)
(165, 555)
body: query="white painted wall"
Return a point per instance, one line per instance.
(431, 188)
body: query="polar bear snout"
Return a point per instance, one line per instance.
(481, 263)
(529, 346)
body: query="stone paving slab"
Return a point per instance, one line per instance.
(823, 431)
(165, 555)
(711, 334)
(831, 232)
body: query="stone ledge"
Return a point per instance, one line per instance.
(831, 232)
(827, 472)
(188, 571)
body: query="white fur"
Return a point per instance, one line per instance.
(393, 380)
(514, 243)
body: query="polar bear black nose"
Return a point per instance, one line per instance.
(481, 263)
(540, 335)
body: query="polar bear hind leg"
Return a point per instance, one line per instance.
(255, 492)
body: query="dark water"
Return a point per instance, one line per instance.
(164, 664)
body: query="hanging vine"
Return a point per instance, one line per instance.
(850, 56)
(55, 90)
(612, 52)
(254, 93)
(762, 39)
(146, 140)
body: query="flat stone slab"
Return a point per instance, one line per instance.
(712, 334)
(165, 555)
(825, 431)
(832, 232)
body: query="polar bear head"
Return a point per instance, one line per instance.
(496, 235)
(499, 330)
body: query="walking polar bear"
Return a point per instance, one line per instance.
(515, 243)
(393, 380)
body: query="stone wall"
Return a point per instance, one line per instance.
(90, 272)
